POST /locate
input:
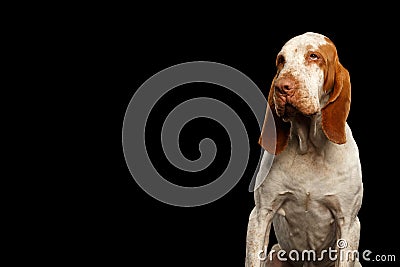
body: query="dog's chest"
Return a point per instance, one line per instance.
(316, 173)
(303, 221)
(304, 184)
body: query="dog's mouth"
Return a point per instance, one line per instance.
(298, 103)
(288, 111)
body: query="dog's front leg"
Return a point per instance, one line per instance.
(347, 243)
(258, 231)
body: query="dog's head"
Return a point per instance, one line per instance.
(309, 80)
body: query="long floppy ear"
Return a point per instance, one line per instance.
(273, 139)
(336, 110)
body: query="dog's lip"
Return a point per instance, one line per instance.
(310, 114)
(290, 111)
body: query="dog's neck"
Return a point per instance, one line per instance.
(308, 133)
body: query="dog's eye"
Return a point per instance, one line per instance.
(314, 56)
(280, 60)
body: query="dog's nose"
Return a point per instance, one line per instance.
(285, 85)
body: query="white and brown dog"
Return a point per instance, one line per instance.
(313, 190)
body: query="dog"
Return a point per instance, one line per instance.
(313, 191)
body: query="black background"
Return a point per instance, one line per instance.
(121, 224)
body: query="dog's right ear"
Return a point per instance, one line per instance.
(336, 110)
(273, 139)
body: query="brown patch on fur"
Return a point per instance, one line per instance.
(337, 84)
(336, 110)
(329, 53)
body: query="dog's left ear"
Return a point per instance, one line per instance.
(336, 110)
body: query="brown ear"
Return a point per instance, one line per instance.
(336, 110)
(273, 139)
